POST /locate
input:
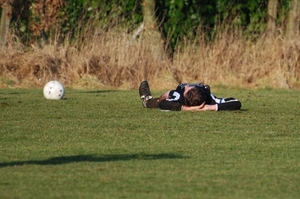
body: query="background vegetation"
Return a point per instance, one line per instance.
(104, 144)
(104, 43)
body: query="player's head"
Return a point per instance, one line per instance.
(193, 96)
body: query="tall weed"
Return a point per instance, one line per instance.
(111, 59)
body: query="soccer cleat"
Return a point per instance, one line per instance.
(145, 93)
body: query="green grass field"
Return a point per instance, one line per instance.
(103, 144)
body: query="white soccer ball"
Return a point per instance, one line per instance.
(54, 90)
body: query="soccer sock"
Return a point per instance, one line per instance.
(153, 103)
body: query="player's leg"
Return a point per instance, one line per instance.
(147, 100)
(153, 103)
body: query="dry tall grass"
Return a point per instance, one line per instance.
(108, 60)
(232, 60)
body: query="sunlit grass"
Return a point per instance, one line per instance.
(103, 144)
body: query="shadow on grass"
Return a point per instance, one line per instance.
(93, 158)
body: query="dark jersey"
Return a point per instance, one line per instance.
(176, 99)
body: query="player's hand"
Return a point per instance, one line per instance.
(197, 108)
(202, 105)
(205, 107)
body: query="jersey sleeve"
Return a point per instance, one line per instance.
(170, 105)
(176, 96)
(229, 105)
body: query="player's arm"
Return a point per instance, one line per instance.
(230, 104)
(202, 107)
(234, 105)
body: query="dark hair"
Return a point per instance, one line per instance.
(194, 97)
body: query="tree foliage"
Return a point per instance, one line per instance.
(177, 19)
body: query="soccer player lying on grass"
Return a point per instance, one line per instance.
(187, 97)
